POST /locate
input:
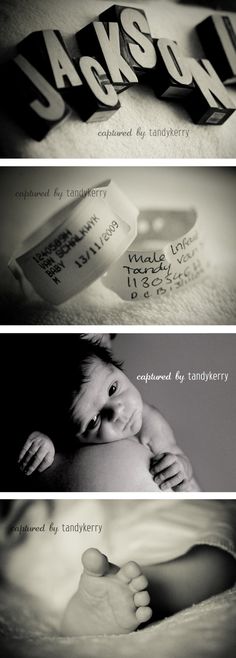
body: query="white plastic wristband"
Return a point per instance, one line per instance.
(90, 238)
(77, 245)
(167, 255)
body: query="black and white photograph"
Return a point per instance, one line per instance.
(95, 578)
(127, 412)
(118, 246)
(133, 79)
(117, 328)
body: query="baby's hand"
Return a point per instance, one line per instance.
(171, 471)
(37, 453)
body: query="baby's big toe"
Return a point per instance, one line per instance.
(94, 562)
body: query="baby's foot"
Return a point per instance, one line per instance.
(109, 600)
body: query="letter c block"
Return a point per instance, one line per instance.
(103, 42)
(97, 99)
(88, 94)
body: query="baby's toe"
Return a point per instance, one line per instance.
(94, 562)
(139, 583)
(129, 571)
(141, 598)
(143, 614)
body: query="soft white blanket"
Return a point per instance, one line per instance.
(140, 108)
(212, 301)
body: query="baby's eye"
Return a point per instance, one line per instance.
(113, 388)
(94, 422)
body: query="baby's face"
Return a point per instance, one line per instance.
(108, 407)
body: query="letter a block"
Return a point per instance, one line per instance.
(218, 39)
(209, 102)
(87, 91)
(47, 52)
(30, 99)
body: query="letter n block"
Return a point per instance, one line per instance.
(218, 39)
(209, 102)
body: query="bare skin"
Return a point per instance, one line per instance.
(109, 601)
(109, 408)
(114, 601)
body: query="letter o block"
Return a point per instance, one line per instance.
(172, 77)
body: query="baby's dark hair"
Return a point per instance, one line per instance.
(63, 362)
(89, 350)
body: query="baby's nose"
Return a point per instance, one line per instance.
(117, 409)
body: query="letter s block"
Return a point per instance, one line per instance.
(30, 99)
(209, 102)
(218, 39)
(136, 40)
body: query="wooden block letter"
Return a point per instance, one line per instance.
(47, 52)
(218, 39)
(136, 32)
(98, 97)
(172, 77)
(31, 99)
(88, 95)
(209, 102)
(103, 42)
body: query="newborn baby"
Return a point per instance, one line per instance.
(103, 407)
